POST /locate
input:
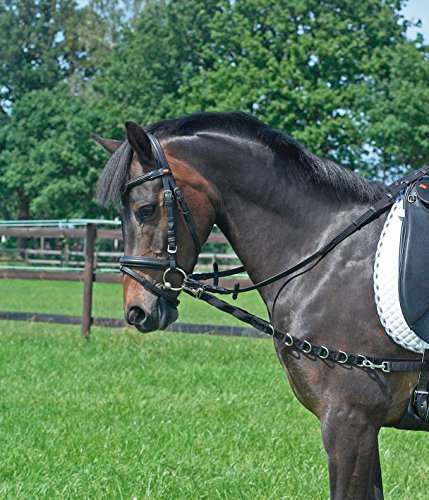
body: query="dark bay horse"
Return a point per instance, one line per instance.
(276, 203)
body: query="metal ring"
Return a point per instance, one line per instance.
(164, 276)
(273, 331)
(325, 352)
(309, 348)
(346, 357)
(289, 340)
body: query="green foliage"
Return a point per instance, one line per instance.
(399, 112)
(339, 76)
(159, 52)
(304, 67)
(48, 166)
(39, 46)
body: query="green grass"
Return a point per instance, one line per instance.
(58, 297)
(163, 415)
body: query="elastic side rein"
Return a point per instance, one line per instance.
(192, 283)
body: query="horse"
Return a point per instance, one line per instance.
(276, 202)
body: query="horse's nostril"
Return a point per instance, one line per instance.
(135, 316)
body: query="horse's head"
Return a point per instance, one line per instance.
(166, 216)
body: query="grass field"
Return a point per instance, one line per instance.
(161, 415)
(58, 297)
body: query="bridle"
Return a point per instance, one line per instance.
(173, 200)
(192, 283)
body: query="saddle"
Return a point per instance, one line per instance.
(414, 259)
(414, 281)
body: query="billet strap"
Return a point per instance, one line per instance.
(171, 232)
(421, 394)
(371, 214)
(386, 365)
(157, 290)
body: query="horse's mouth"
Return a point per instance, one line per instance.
(162, 317)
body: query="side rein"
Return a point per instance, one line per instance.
(173, 198)
(192, 284)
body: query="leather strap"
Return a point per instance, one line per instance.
(371, 214)
(132, 261)
(421, 394)
(154, 174)
(150, 285)
(386, 365)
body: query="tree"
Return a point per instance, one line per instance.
(160, 50)
(398, 112)
(47, 52)
(38, 46)
(313, 69)
(49, 168)
(339, 75)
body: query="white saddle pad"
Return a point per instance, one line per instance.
(386, 279)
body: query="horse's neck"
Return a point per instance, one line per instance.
(274, 220)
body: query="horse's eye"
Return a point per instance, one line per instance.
(146, 212)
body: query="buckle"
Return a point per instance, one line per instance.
(324, 352)
(366, 363)
(196, 292)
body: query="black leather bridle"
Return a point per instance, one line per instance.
(173, 200)
(191, 284)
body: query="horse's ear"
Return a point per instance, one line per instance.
(109, 145)
(140, 142)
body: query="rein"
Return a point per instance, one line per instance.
(192, 283)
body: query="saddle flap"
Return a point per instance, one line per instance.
(414, 259)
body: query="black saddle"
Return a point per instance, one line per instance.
(414, 259)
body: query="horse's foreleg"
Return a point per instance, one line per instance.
(376, 484)
(352, 449)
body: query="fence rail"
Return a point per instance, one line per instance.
(92, 268)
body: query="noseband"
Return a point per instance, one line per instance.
(173, 200)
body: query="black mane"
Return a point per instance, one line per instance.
(238, 124)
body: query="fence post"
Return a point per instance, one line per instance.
(88, 278)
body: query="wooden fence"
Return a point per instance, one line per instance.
(86, 270)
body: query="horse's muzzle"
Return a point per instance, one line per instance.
(159, 318)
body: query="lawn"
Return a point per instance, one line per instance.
(162, 415)
(59, 297)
